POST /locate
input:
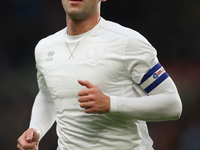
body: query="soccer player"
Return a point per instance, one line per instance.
(100, 82)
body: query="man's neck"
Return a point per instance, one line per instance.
(75, 27)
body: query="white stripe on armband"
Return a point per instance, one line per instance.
(153, 78)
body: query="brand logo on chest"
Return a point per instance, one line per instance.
(50, 55)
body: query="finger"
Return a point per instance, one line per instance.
(23, 145)
(83, 99)
(32, 135)
(85, 92)
(87, 105)
(90, 96)
(90, 110)
(19, 147)
(86, 83)
(35, 148)
(29, 135)
(26, 145)
(36, 136)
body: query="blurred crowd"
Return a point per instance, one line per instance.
(171, 26)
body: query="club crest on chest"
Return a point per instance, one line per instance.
(95, 55)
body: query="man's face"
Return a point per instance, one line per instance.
(80, 9)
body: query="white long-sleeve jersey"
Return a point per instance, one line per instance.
(123, 65)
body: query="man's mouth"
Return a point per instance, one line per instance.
(75, 1)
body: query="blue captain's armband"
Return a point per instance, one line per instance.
(153, 78)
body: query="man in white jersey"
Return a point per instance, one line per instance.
(100, 82)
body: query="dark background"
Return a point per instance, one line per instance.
(171, 26)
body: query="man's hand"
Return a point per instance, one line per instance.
(92, 99)
(29, 140)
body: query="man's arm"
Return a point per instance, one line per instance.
(163, 103)
(43, 113)
(43, 117)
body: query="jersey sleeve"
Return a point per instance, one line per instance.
(139, 57)
(163, 101)
(43, 112)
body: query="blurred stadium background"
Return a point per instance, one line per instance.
(171, 26)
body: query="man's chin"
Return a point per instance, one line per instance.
(77, 16)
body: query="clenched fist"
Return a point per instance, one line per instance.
(92, 99)
(29, 140)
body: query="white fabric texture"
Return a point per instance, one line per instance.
(43, 114)
(113, 58)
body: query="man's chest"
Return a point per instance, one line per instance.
(98, 62)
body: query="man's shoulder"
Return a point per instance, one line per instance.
(118, 28)
(53, 38)
(49, 43)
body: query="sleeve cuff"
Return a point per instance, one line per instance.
(113, 104)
